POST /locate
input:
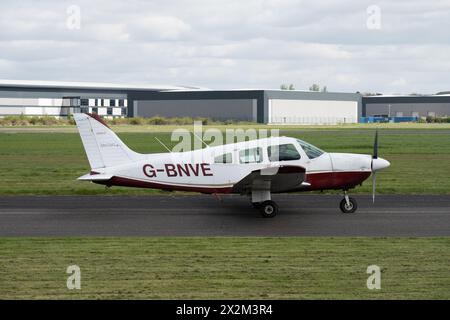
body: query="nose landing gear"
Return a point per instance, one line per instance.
(348, 204)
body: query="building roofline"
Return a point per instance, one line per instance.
(255, 90)
(401, 96)
(85, 85)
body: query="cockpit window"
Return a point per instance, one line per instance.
(311, 151)
(283, 152)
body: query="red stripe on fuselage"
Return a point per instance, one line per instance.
(336, 180)
(318, 181)
(126, 182)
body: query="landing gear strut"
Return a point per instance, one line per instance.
(348, 204)
(260, 200)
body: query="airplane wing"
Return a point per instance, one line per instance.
(273, 179)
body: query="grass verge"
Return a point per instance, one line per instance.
(224, 268)
(48, 163)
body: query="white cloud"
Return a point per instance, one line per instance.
(154, 27)
(400, 82)
(231, 44)
(106, 32)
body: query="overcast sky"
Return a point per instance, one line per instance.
(231, 44)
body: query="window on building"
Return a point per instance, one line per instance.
(283, 152)
(64, 111)
(121, 104)
(310, 150)
(253, 155)
(84, 102)
(112, 102)
(109, 111)
(95, 110)
(224, 158)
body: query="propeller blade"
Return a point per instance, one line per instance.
(374, 182)
(375, 146)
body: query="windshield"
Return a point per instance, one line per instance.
(310, 150)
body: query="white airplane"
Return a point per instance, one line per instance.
(254, 168)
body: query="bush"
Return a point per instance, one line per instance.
(23, 120)
(229, 122)
(183, 121)
(430, 119)
(136, 121)
(421, 120)
(33, 120)
(15, 120)
(204, 121)
(157, 120)
(49, 120)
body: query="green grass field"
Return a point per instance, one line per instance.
(225, 268)
(47, 160)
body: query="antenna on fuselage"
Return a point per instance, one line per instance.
(161, 143)
(199, 138)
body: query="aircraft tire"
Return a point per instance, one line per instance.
(268, 209)
(348, 208)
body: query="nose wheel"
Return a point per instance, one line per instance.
(348, 204)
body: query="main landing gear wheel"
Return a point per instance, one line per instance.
(349, 207)
(268, 209)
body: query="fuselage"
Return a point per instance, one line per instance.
(218, 169)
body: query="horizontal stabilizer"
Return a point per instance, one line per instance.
(95, 177)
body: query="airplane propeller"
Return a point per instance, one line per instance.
(375, 146)
(375, 156)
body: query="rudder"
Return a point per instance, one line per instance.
(103, 147)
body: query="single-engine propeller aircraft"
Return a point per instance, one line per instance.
(255, 168)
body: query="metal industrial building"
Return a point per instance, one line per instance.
(263, 106)
(36, 98)
(419, 106)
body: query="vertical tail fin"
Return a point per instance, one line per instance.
(103, 147)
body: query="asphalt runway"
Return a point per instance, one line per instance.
(203, 215)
